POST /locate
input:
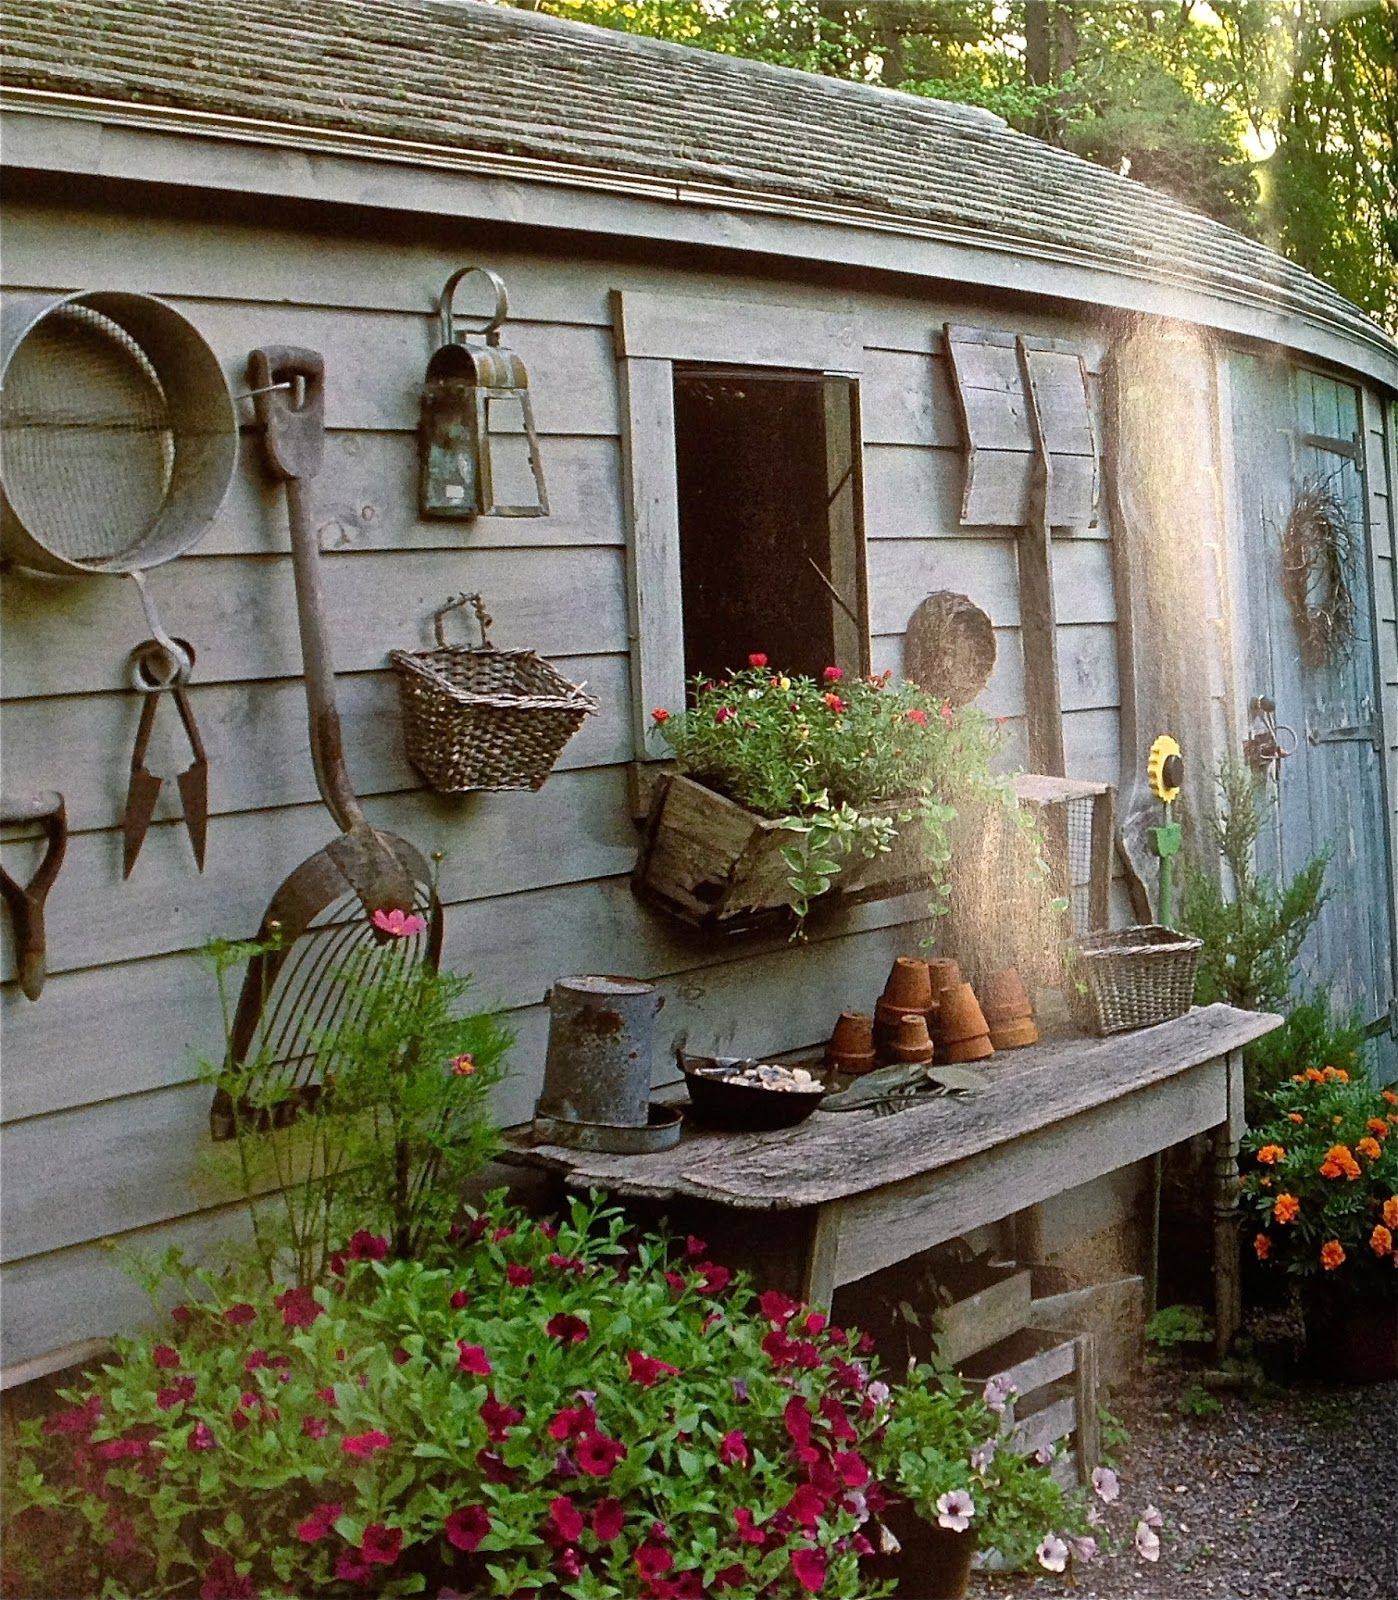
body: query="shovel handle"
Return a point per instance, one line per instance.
(288, 385)
(25, 902)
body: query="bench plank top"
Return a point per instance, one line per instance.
(832, 1156)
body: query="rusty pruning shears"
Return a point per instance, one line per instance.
(154, 672)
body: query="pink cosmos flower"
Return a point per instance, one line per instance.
(240, 1315)
(733, 1449)
(647, 1371)
(597, 1454)
(320, 1524)
(473, 1359)
(808, 1568)
(566, 1328)
(519, 1276)
(466, 1527)
(566, 1519)
(399, 924)
(165, 1356)
(381, 1544)
(299, 1308)
(608, 1518)
(364, 1445)
(955, 1510)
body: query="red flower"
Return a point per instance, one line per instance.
(733, 1449)
(299, 1308)
(202, 1438)
(918, 715)
(852, 1469)
(797, 1419)
(165, 1356)
(806, 1505)
(597, 1454)
(757, 659)
(466, 1527)
(364, 1445)
(776, 1306)
(833, 674)
(350, 1567)
(653, 1560)
(608, 1517)
(499, 1418)
(724, 714)
(473, 1359)
(563, 1325)
(240, 1315)
(660, 715)
(459, 1300)
(713, 1279)
(816, 1322)
(647, 1371)
(808, 1568)
(177, 1393)
(748, 1531)
(222, 1582)
(366, 1246)
(314, 1427)
(520, 1277)
(571, 1421)
(381, 1544)
(566, 1518)
(733, 1577)
(562, 1263)
(320, 1524)
(835, 704)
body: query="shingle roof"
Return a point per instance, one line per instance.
(487, 78)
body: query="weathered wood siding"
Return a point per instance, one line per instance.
(104, 1124)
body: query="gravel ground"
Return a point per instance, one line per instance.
(1283, 1496)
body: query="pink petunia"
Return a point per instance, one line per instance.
(364, 1445)
(647, 1371)
(320, 1524)
(562, 1263)
(567, 1520)
(733, 1449)
(808, 1568)
(608, 1518)
(473, 1359)
(399, 924)
(381, 1545)
(466, 1527)
(299, 1308)
(796, 1417)
(566, 1328)
(597, 1454)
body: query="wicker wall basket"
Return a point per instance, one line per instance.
(475, 717)
(1133, 978)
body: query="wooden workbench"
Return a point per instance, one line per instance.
(866, 1191)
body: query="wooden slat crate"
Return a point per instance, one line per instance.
(985, 1318)
(1054, 1375)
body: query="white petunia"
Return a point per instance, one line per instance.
(1052, 1553)
(1152, 1518)
(1083, 1546)
(998, 1393)
(1147, 1543)
(1105, 1482)
(983, 1455)
(955, 1510)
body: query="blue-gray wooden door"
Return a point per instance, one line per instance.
(1290, 426)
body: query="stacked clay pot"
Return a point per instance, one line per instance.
(962, 1031)
(907, 994)
(851, 1047)
(911, 1041)
(1009, 1012)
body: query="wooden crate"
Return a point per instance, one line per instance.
(988, 1317)
(718, 866)
(1054, 1375)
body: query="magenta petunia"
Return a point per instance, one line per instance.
(314, 1427)
(597, 1454)
(202, 1437)
(175, 1394)
(299, 1308)
(808, 1568)
(776, 1306)
(499, 1418)
(473, 1359)
(459, 1300)
(364, 1445)
(796, 1417)
(222, 1581)
(351, 1567)
(567, 1520)
(381, 1544)
(713, 1279)
(608, 1518)
(366, 1246)
(240, 1315)
(653, 1560)
(806, 1506)
(733, 1449)
(748, 1531)
(320, 1523)
(165, 1356)
(853, 1469)
(562, 1263)
(646, 1370)
(493, 1468)
(466, 1527)
(520, 1276)
(571, 1421)
(566, 1328)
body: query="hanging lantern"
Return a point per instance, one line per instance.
(477, 443)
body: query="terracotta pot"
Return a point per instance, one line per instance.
(942, 973)
(911, 1042)
(1004, 998)
(933, 1563)
(1358, 1336)
(908, 988)
(1014, 1035)
(962, 1032)
(851, 1047)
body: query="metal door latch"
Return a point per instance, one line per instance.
(1264, 749)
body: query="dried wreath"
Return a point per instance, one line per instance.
(1317, 546)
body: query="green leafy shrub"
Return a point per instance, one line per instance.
(1175, 1326)
(1312, 1037)
(552, 1412)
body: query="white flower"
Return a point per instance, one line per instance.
(999, 1393)
(1083, 1546)
(878, 1391)
(1152, 1518)
(955, 1510)
(1104, 1481)
(1147, 1544)
(983, 1455)
(1044, 1455)
(1052, 1553)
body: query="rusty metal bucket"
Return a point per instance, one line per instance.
(596, 1093)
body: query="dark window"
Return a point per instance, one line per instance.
(767, 467)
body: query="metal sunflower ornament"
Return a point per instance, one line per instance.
(1165, 774)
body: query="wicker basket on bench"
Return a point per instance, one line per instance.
(1133, 978)
(475, 717)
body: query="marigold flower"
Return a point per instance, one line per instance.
(917, 715)
(1390, 1211)
(1339, 1163)
(1296, 1117)
(1332, 1254)
(1286, 1209)
(1378, 1127)
(1336, 1075)
(1263, 1246)
(1381, 1241)
(1270, 1154)
(1369, 1147)
(835, 704)
(1314, 1075)
(1390, 1096)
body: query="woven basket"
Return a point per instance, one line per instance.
(1133, 978)
(482, 718)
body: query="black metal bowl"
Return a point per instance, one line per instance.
(719, 1100)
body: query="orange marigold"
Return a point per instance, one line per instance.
(1263, 1246)
(1332, 1254)
(1390, 1211)
(1270, 1154)
(1378, 1127)
(1370, 1147)
(1381, 1241)
(1339, 1163)
(1390, 1096)
(1295, 1116)
(1335, 1075)
(1313, 1075)
(1286, 1209)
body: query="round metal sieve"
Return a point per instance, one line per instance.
(118, 434)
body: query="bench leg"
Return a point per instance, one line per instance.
(818, 1270)
(1228, 1298)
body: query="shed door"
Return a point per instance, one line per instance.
(1290, 427)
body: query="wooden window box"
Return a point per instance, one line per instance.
(715, 865)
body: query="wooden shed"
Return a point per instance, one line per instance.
(726, 280)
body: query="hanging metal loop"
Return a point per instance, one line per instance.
(447, 314)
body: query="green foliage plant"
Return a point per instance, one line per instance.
(840, 763)
(1313, 1036)
(397, 1117)
(1174, 1327)
(561, 1411)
